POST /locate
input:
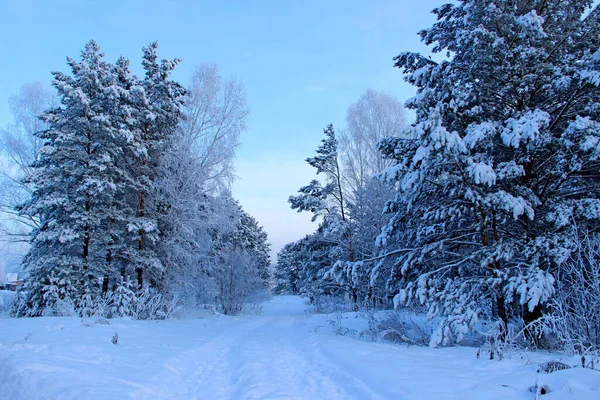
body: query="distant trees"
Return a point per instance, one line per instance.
(131, 193)
(350, 202)
(238, 279)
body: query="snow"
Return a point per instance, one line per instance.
(6, 299)
(526, 128)
(482, 173)
(478, 132)
(283, 353)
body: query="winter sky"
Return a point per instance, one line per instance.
(302, 62)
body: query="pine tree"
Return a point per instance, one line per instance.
(157, 114)
(76, 179)
(329, 201)
(502, 161)
(367, 218)
(287, 270)
(127, 94)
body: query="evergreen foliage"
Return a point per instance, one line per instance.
(488, 194)
(129, 219)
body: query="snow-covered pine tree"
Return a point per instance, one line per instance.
(302, 264)
(504, 162)
(245, 235)
(366, 221)
(123, 298)
(156, 120)
(250, 236)
(128, 97)
(76, 179)
(287, 271)
(319, 199)
(330, 202)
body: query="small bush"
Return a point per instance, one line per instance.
(552, 366)
(338, 328)
(402, 327)
(572, 322)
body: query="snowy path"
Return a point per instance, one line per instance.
(271, 357)
(284, 353)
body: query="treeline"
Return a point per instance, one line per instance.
(487, 206)
(127, 194)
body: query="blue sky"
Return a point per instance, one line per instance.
(302, 62)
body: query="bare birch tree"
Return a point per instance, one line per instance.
(375, 116)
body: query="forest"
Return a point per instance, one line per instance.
(483, 208)
(486, 207)
(454, 251)
(120, 185)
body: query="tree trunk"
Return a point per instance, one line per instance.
(105, 285)
(108, 269)
(140, 278)
(502, 315)
(86, 243)
(141, 242)
(354, 298)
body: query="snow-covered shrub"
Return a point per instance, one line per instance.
(402, 327)
(150, 304)
(87, 306)
(61, 308)
(103, 305)
(255, 301)
(553, 366)
(574, 317)
(126, 302)
(336, 323)
(123, 299)
(6, 302)
(502, 342)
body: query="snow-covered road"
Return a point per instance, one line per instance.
(283, 353)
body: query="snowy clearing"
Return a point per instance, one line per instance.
(283, 353)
